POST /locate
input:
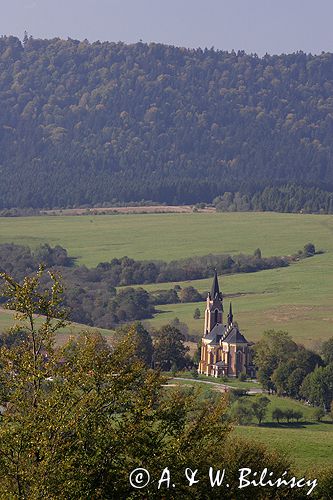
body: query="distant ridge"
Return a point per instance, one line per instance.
(87, 124)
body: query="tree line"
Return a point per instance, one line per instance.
(20, 260)
(90, 123)
(288, 198)
(91, 294)
(126, 271)
(289, 369)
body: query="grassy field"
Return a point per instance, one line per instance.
(309, 447)
(298, 299)
(308, 444)
(7, 320)
(170, 236)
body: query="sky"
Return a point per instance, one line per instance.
(256, 26)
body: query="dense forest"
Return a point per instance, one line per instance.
(93, 123)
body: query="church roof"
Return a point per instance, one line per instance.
(234, 336)
(215, 287)
(216, 333)
(230, 335)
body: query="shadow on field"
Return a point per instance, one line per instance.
(289, 425)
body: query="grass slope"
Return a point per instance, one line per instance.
(7, 320)
(298, 299)
(309, 444)
(309, 447)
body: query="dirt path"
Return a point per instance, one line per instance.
(149, 209)
(220, 387)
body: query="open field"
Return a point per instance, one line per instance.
(170, 236)
(298, 298)
(308, 444)
(7, 320)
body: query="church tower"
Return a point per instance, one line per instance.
(214, 307)
(224, 349)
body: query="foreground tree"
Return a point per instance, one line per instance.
(33, 357)
(79, 419)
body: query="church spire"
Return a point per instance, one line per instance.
(215, 287)
(214, 307)
(230, 315)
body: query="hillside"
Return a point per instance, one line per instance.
(297, 298)
(96, 123)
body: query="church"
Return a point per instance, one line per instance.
(224, 349)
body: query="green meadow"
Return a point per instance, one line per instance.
(298, 298)
(8, 320)
(308, 444)
(169, 236)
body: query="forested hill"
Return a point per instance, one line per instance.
(85, 123)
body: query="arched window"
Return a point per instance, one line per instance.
(216, 314)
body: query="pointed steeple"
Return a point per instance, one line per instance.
(215, 287)
(230, 315)
(214, 307)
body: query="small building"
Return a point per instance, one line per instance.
(224, 349)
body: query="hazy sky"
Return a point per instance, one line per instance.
(272, 26)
